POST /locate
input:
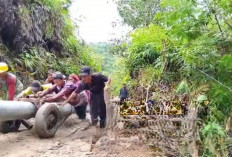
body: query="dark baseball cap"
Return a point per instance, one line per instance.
(35, 86)
(58, 75)
(85, 71)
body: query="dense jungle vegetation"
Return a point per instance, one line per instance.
(185, 44)
(37, 35)
(186, 41)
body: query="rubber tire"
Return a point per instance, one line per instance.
(6, 126)
(42, 120)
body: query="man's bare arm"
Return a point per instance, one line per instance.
(71, 97)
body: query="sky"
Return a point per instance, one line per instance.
(94, 19)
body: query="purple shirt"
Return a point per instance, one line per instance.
(66, 91)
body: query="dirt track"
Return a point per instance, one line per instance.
(73, 139)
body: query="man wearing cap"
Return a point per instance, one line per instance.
(34, 89)
(95, 83)
(10, 85)
(61, 88)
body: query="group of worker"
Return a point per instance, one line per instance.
(73, 90)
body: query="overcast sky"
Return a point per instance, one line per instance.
(94, 18)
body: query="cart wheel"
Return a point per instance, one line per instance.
(47, 121)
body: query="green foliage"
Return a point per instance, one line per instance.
(120, 76)
(89, 58)
(49, 30)
(184, 38)
(146, 55)
(147, 76)
(221, 102)
(56, 5)
(104, 57)
(37, 62)
(24, 11)
(49, 21)
(73, 45)
(138, 13)
(145, 47)
(120, 50)
(59, 24)
(183, 88)
(148, 35)
(201, 98)
(68, 28)
(214, 140)
(225, 69)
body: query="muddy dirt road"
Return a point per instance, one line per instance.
(75, 138)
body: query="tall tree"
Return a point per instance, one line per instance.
(138, 13)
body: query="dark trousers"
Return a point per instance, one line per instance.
(81, 111)
(122, 100)
(98, 108)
